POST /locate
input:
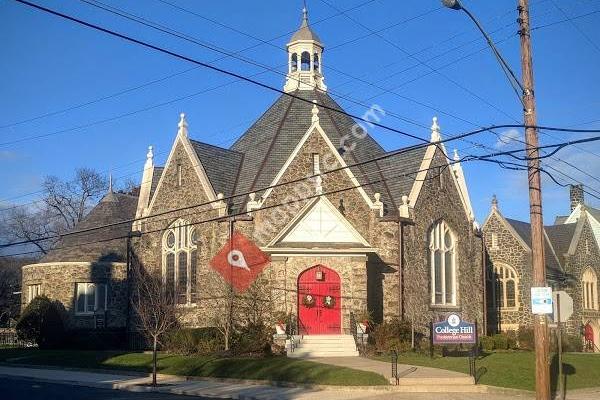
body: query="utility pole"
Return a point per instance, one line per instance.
(540, 326)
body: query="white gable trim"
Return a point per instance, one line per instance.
(317, 127)
(422, 175)
(306, 210)
(200, 172)
(574, 216)
(577, 234)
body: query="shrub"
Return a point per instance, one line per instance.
(194, 341)
(500, 341)
(487, 343)
(393, 335)
(252, 339)
(42, 322)
(525, 338)
(570, 343)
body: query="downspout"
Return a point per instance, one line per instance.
(483, 283)
(400, 269)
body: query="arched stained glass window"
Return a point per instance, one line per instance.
(506, 286)
(442, 256)
(180, 242)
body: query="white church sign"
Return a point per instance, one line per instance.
(541, 300)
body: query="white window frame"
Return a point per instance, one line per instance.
(183, 232)
(33, 291)
(504, 274)
(437, 235)
(589, 289)
(97, 301)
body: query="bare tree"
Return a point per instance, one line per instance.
(154, 307)
(63, 205)
(10, 283)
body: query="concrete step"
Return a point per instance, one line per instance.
(436, 381)
(299, 353)
(323, 346)
(439, 388)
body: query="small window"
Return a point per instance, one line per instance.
(494, 241)
(316, 62)
(316, 164)
(33, 291)
(90, 297)
(294, 65)
(305, 61)
(179, 175)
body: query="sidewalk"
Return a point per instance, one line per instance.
(247, 390)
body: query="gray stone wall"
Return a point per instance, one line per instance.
(586, 255)
(59, 281)
(440, 202)
(510, 251)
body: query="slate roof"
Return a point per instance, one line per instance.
(305, 32)
(553, 244)
(221, 166)
(561, 236)
(91, 246)
(270, 141)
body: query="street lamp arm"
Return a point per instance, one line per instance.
(512, 78)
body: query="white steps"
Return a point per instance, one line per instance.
(323, 346)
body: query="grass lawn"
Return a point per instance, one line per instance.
(272, 368)
(515, 369)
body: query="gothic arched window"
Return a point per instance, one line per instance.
(442, 256)
(294, 62)
(316, 62)
(507, 289)
(305, 61)
(180, 242)
(589, 287)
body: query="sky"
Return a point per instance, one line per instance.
(73, 97)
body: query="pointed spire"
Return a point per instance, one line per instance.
(456, 156)
(304, 16)
(315, 112)
(110, 183)
(435, 131)
(110, 196)
(183, 126)
(494, 202)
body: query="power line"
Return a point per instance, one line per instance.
(381, 157)
(162, 79)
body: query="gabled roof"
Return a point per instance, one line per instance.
(561, 237)
(270, 141)
(90, 246)
(221, 165)
(554, 269)
(155, 178)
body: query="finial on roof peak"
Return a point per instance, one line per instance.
(304, 15)
(182, 125)
(315, 112)
(435, 130)
(456, 156)
(110, 183)
(494, 202)
(150, 153)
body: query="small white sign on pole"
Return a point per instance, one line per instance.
(541, 300)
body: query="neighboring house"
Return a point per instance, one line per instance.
(572, 264)
(336, 235)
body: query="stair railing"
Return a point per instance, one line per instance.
(354, 328)
(292, 331)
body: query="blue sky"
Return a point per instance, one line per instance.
(49, 64)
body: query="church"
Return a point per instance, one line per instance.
(339, 222)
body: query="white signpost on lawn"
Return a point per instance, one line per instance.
(563, 309)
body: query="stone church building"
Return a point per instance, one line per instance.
(572, 256)
(396, 236)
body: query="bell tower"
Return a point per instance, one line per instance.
(305, 51)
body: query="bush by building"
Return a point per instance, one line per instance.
(42, 322)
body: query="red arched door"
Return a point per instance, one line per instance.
(588, 333)
(319, 301)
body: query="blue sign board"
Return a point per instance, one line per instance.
(454, 331)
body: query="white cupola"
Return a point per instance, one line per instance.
(305, 62)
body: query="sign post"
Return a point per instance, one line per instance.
(563, 309)
(455, 331)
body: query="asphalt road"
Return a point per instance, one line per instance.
(26, 389)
